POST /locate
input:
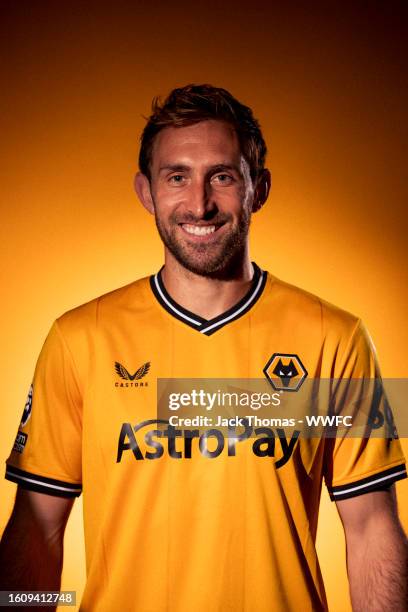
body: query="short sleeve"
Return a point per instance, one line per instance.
(46, 456)
(357, 463)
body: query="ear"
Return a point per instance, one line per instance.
(262, 189)
(142, 188)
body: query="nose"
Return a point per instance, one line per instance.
(200, 198)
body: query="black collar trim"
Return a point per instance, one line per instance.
(209, 326)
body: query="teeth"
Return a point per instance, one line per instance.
(199, 230)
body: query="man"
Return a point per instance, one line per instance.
(172, 522)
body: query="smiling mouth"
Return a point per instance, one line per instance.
(199, 230)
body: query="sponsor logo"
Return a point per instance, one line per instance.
(147, 441)
(285, 372)
(27, 407)
(132, 380)
(20, 442)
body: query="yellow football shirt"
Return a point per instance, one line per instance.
(167, 525)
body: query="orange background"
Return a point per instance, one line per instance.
(329, 86)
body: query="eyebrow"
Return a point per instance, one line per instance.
(174, 167)
(210, 169)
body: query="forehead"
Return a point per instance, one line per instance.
(210, 140)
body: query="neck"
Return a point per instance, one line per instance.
(205, 296)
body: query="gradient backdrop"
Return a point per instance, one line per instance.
(329, 86)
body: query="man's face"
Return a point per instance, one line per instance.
(202, 194)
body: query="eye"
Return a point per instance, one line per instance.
(176, 178)
(223, 179)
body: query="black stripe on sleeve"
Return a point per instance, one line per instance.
(375, 482)
(42, 484)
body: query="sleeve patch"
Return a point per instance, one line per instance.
(27, 408)
(20, 442)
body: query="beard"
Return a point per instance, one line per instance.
(219, 260)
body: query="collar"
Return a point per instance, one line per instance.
(209, 326)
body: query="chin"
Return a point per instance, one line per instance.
(222, 267)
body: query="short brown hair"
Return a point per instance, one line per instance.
(194, 103)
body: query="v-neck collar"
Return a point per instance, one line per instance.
(209, 326)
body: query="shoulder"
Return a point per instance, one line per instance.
(87, 317)
(308, 309)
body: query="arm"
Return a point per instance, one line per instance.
(31, 549)
(377, 552)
